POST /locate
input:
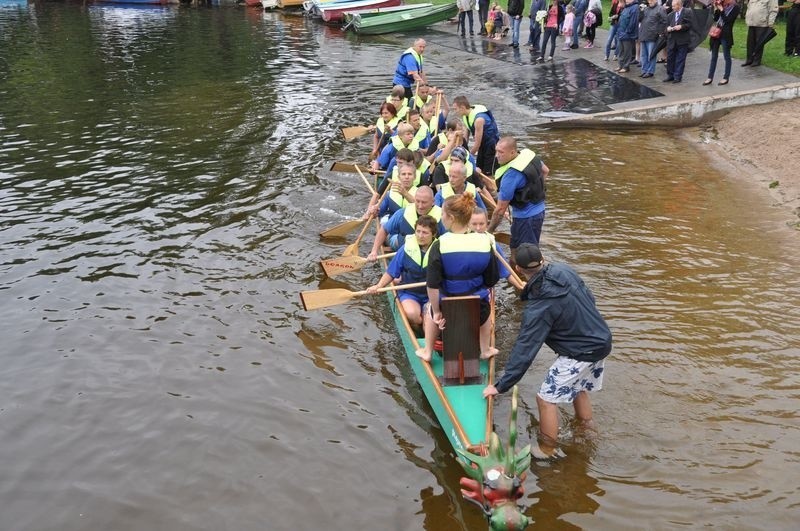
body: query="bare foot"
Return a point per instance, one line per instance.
(489, 353)
(423, 354)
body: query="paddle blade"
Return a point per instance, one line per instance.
(313, 300)
(342, 229)
(351, 250)
(502, 237)
(345, 167)
(339, 266)
(356, 131)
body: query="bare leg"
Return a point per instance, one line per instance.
(485, 337)
(548, 426)
(431, 330)
(583, 409)
(413, 312)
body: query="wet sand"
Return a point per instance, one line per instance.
(760, 145)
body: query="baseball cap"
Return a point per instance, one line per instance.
(459, 153)
(529, 256)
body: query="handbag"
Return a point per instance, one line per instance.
(715, 31)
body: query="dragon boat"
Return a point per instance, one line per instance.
(454, 379)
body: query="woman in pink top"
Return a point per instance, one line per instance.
(555, 17)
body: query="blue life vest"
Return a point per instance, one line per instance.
(464, 259)
(490, 129)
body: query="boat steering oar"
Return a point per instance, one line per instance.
(324, 298)
(346, 264)
(502, 237)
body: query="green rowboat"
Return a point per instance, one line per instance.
(403, 20)
(463, 413)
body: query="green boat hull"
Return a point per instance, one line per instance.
(404, 20)
(461, 410)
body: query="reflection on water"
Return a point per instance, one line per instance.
(162, 188)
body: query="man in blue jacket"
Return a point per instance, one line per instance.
(561, 312)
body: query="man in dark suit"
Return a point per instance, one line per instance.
(678, 37)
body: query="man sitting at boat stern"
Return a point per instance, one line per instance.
(561, 312)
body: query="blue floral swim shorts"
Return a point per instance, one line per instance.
(568, 377)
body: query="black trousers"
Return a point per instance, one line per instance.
(793, 30)
(754, 34)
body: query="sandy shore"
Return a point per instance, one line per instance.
(760, 144)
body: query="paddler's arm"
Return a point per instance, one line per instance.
(372, 208)
(476, 144)
(380, 237)
(497, 215)
(385, 280)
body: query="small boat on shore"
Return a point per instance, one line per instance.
(365, 13)
(334, 12)
(402, 20)
(288, 4)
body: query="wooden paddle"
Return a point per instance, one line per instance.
(323, 298)
(507, 266)
(435, 128)
(355, 131)
(346, 264)
(371, 189)
(342, 229)
(345, 167)
(352, 249)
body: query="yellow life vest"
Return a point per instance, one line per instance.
(447, 190)
(414, 252)
(411, 216)
(519, 163)
(469, 120)
(398, 144)
(470, 168)
(380, 125)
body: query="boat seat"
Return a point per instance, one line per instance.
(460, 340)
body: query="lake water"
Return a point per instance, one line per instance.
(163, 181)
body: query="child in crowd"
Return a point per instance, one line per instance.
(569, 18)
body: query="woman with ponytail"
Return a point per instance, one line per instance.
(460, 263)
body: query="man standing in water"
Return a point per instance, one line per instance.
(560, 311)
(409, 68)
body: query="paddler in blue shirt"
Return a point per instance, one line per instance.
(441, 174)
(384, 128)
(402, 194)
(402, 222)
(460, 263)
(409, 68)
(400, 101)
(483, 128)
(521, 181)
(421, 176)
(421, 133)
(410, 264)
(403, 139)
(457, 185)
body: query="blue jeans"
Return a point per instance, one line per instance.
(648, 65)
(550, 35)
(612, 39)
(515, 23)
(726, 53)
(535, 35)
(576, 24)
